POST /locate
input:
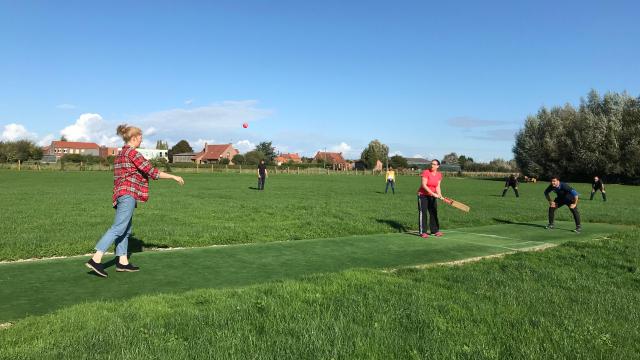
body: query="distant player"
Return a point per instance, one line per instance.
(565, 195)
(512, 181)
(391, 180)
(428, 193)
(262, 174)
(596, 185)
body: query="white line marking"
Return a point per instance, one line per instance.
(487, 235)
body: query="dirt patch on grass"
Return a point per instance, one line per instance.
(5, 325)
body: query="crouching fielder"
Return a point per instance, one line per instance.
(131, 184)
(565, 195)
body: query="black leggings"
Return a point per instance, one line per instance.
(428, 204)
(574, 211)
(514, 189)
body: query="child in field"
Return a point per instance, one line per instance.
(131, 183)
(512, 181)
(428, 193)
(391, 180)
(565, 195)
(596, 185)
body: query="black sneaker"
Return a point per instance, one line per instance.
(578, 229)
(126, 268)
(97, 268)
(550, 227)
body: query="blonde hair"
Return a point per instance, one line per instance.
(127, 132)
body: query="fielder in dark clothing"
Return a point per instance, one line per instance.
(596, 185)
(512, 181)
(262, 174)
(565, 195)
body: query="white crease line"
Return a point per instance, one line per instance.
(487, 235)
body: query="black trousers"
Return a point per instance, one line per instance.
(604, 194)
(574, 212)
(428, 204)
(261, 181)
(504, 192)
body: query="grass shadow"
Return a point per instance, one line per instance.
(502, 221)
(137, 245)
(393, 224)
(253, 188)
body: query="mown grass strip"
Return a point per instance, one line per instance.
(577, 300)
(34, 288)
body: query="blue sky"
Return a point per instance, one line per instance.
(426, 78)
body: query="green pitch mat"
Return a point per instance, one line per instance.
(39, 287)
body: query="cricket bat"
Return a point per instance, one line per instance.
(456, 204)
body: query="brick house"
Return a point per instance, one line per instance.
(334, 159)
(285, 158)
(61, 148)
(213, 154)
(105, 151)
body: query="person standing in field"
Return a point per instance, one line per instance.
(596, 185)
(262, 174)
(565, 195)
(391, 180)
(131, 184)
(512, 181)
(428, 193)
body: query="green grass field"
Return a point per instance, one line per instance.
(65, 213)
(352, 285)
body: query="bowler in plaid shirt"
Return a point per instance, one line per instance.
(130, 184)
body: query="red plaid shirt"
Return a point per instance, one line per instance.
(131, 173)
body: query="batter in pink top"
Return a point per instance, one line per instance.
(428, 193)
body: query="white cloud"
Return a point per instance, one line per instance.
(150, 131)
(198, 145)
(395, 153)
(66, 106)
(188, 102)
(226, 115)
(497, 135)
(46, 140)
(244, 146)
(418, 156)
(92, 128)
(14, 132)
(343, 147)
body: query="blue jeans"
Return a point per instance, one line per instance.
(390, 182)
(121, 228)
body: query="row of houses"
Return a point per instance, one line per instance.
(210, 154)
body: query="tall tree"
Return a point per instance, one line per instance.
(398, 162)
(450, 159)
(254, 157)
(268, 151)
(581, 142)
(373, 152)
(181, 147)
(162, 145)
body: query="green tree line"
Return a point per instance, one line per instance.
(599, 137)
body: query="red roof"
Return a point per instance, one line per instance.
(74, 145)
(289, 157)
(333, 157)
(215, 152)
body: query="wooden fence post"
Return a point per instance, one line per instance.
(19, 163)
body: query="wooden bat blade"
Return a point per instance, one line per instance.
(458, 205)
